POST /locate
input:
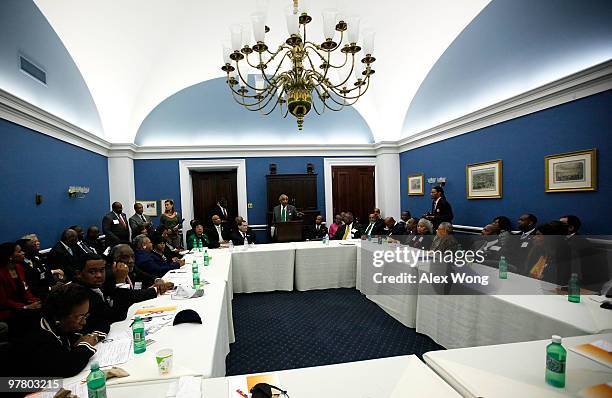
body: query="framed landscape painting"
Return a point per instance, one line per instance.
(571, 171)
(415, 185)
(484, 180)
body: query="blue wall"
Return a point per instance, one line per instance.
(30, 163)
(522, 144)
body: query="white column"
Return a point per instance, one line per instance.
(388, 183)
(121, 181)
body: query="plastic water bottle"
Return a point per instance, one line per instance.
(230, 246)
(325, 239)
(503, 268)
(194, 266)
(196, 279)
(138, 331)
(555, 363)
(206, 259)
(96, 382)
(573, 290)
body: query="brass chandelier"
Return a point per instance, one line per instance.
(295, 80)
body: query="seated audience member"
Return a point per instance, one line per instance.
(190, 232)
(318, 230)
(549, 260)
(169, 250)
(334, 227)
(64, 254)
(444, 240)
(505, 230)
(56, 346)
(198, 238)
(218, 233)
(39, 277)
(411, 226)
(349, 230)
(379, 228)
(126, 284)
(371, 229)
(489, 246)
(422, 239)
(17, 303)
(92, 240)
(150, 256)
(242, 233)
(521, 247)
(394, 229)
(583, 256)
(91, 274)
(81, 246)
(404, 217)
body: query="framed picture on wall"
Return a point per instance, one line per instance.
(484, 180)
(415, 185)
(149, 207)
(571, 171)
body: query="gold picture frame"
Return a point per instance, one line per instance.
(571, 171)
(416, 185)
(484, 180)
(149, 207)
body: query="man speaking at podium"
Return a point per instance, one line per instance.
(283, 212)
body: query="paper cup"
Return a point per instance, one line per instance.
(164, 361)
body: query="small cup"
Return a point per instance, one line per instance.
(164, 361)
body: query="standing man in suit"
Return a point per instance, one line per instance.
(115, 226)
(139, 220)
(64, 254)
(218, 233)
(348, 230)
(284, 211)
(441, 210)
(318, 230)
(220, 210)
(243, 232)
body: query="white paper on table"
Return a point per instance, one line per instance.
(77, 388)
(189, 387)
(603, 344)
(156, 324)
(113, 351)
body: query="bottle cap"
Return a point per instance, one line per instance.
(137, 318)
(556, 339)
(95, 366)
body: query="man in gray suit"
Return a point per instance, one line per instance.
(139, 220)
(284, 211)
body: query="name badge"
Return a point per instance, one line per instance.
(524, 244)
(137, 285)
(116, 222)
(438, 210)
(42, 276)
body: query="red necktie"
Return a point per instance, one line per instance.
(122, 222)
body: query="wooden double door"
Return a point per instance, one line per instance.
(353, 189)
(210, 186)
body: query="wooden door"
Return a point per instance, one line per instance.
(210, 186)
(353, 189)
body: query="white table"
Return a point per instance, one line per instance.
(319, 266)
(516, 370)
(264, 268)
(396, 377)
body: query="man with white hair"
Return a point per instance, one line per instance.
(444, 239)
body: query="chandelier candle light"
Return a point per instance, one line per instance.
(295, 80)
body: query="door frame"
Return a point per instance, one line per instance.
(186, 183)
(328, 163)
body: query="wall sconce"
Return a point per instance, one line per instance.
(441, 181)
(77, 192)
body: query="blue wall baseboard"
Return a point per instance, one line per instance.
(522, 144)
(31, 163)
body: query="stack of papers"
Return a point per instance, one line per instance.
(116, 349)
(599, 351)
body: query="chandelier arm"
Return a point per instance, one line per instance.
(248, 106)
(247, 96)
(254, 107)
(348, 76)
(246, 82)
(261, 92)
(328, 58)
(274, 76)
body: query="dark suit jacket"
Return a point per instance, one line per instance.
(379, 227)
(98, 245)
(38, 276)
(136, 223)
(313, 234)
(115, 232)
(123, 298)
(340, 232)
(420, 241)
(217, 211)
(152, 263)
(398, 230)
(101, 314)
(60, 258)
(442, 212)
(238, 239)
(213, 236)
(291, 213)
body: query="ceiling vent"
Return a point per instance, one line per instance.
(32, 70)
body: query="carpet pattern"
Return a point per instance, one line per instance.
(287, 330)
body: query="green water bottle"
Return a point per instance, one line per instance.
(573, 290)
(138, 331)
(555, 363)
(196, 279)
(206, 259)
(503, 268)
(96, 382)
(194, 267)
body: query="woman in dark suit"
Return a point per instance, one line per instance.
(150, 256)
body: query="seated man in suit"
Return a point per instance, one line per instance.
(349, 230)
(92, 239)
(379, 225)
(81, 246)
(64, 254)
(115, 226)
(150, 256)
(39, 277)
(520, 248)
(394, 229)
(219, 233)
(489, 246)
(318, 230)
(243, 232)
(139, 220)
(444, 240)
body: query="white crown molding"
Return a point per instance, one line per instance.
(578, 85)
(16, 110)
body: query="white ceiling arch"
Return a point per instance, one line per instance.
(135, 54)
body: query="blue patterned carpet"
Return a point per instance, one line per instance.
(286, 330)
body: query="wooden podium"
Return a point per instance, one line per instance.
(289, 231)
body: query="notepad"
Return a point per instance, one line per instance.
(153, 310)
(599, 351)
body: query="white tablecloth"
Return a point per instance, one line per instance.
(319, 266)
(516, 370)
(264, 268)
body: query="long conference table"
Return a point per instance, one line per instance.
(452, 321)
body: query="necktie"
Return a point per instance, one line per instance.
(283, 214)
(347, 229)
(85, 248)
(142, 217)
(69, 251)
(121, 220)
(219, 232)
(369, 230)
(224, 212)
